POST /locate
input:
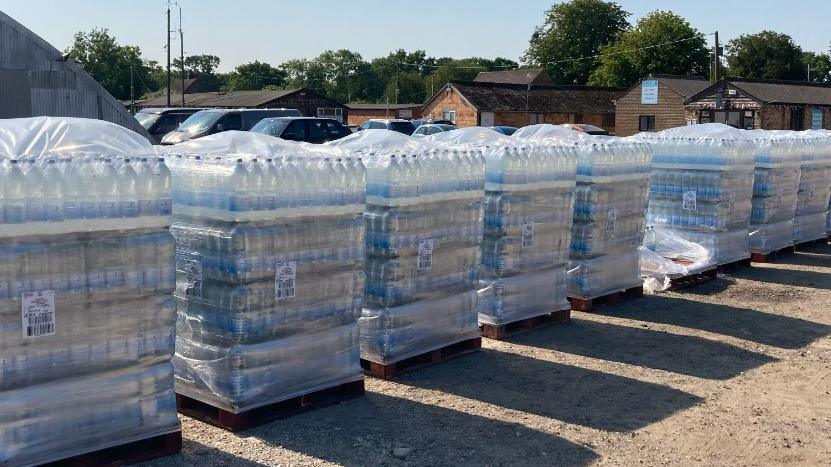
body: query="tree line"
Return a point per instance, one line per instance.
(579, 42)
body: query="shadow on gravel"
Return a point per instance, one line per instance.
(648, 348)
(365, 431)
(194, 453)
(563, 392)
(815, 256)
(743, 323)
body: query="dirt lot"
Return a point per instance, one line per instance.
(733, 372)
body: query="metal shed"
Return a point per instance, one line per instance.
(35, 80)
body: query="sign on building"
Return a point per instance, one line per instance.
(405, 113)
(816, 118)
(649, 92)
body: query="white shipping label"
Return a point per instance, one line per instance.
(193, 276)
(527, 234)
(731, 201)
(284, 280)
(688, 201)
(611, 220)
(38, 313)
(425, 254)
(812, 190)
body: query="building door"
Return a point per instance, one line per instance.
(797, 118)
(486, 118)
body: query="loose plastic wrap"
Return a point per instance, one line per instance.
(702, 186)
(424, 232)
(814, 184)
(529, 198)
(86, 276)
(666, 256)
(609, 206)
(269, 262)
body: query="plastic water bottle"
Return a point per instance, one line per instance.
(35, 193)
(14, 194)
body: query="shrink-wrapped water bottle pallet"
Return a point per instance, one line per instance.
(771, 256)
(129, 453)
(391, 370)
(693, 279)
(733, 266)
(503, 331)
(268, 413)
(591, 304)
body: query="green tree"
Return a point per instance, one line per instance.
(574, 29)
(254, 76)
(410, 86)
(765, 55)
(341, 75)
(197, 65)
(819, 65)
(632, 56)
(99, 54)
(464, 69)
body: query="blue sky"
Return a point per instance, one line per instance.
(239, 31)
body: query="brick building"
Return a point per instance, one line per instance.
(656, 103)
(482, 103)
(359, 113)
(309, 103)
(766, 104)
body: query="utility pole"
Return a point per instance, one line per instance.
(132, 94)
(809, 72)
(182, 54)
(717, 60)
(167, 31)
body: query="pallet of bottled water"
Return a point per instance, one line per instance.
(814, 184)
(269, 263)
(701, 188)
(528, 205)
(609, 206)
(775, 185)
(423, 245)
(86, 279)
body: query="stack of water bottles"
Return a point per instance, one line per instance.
(528, 206)
(269, 262)
(814, 185)
(86, 276)
(775, 185)
(609, 207)
(424, 230)
(702, 186)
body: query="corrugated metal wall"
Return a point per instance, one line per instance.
(35, 81)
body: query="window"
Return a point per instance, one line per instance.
(422, 130)
(166, 124)
(335, 130)
(646, 123)
(704, 116)
(449, 115)
(607, 121)
(736, 118)
(365, 126)
(797, 118)
(335, 113)
(578, 118)
(296, 131)
(378, 125)
(231, 122)
(536, 118)
(316, 131)
(748, 120)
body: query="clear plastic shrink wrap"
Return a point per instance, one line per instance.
(702, 186)
(269, 266)
(424, 229)
(529, 202)
(86, 276)
(814, 184)
(609, 206)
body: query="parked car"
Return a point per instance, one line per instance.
(505, 130)
(401, 126)
(308, 129)
(208, 122)
(588, 129)
(432, 129)
(161, 121)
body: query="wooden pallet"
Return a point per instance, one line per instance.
(810, 243)
(492, 331)
(590, 304)
(391, 370)
(693, 279)
(129, 453)
(772, 256)
(734, 266)
(244, 420)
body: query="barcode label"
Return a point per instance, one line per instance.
(611, 220)
(527, 234)
(193, 276)
(38, 313)
(689, 201)
(425, 254)
(284, 280)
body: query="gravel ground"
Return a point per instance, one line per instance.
(736, 371)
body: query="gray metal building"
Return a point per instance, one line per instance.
(35, 80)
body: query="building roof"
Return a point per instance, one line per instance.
(230, 99)
(382, 106)
(774, 91)
(518, 76)
(495, 97)
(685, 86)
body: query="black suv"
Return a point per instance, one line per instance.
(308, 129)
